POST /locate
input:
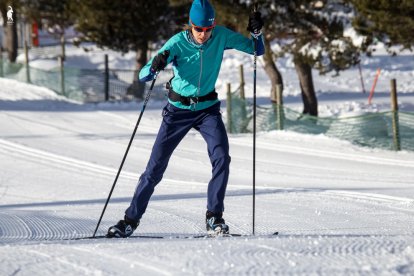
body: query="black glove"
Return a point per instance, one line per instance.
(160, 61)
(255, 22)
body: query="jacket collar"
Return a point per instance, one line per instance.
(190, 38)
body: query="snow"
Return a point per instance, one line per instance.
(340, 209)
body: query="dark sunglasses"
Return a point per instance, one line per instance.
(203, 29)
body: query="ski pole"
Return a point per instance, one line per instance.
(129, 146)
(254, 125)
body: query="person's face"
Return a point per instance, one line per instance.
(201, 35)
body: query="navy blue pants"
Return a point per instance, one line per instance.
(176, 124)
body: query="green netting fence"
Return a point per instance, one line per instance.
(85, 85)
(378, 130)
(372, 130)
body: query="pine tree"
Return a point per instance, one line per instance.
(123, 26)
(54, 15)
(234, 15)
(391, 22)
(313, 32)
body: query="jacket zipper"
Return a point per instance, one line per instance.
(201, 72)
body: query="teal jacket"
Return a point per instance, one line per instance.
(196, 67)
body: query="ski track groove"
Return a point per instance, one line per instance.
(30, 226)
(178, 220)
(41, 229)
(76, 165)
(327, 154)
(66, 162)
(146, 126)
(45, 224)
(24, 225)
(13, 227)
(334, 253)
(356, 248)
(332, 248)
(45, 123)
(83, 269)
(184, 152)
(129, 263)
(255, 252)
(91, 169)
(265, 145)
(396, 203)
(84, 166)
(261, 145)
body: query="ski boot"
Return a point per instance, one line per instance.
(123, 229)
(215, 224)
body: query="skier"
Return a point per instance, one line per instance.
(196, 55)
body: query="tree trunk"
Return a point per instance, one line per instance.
(12, 39)
(272, 71)
(141, 57)
(10, 31)
(137, 89)
(304, 72)
(3, 11)
(62, 45)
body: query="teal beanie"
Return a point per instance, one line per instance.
(202, 13)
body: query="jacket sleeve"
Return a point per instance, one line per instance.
(145, 74)
(239, 42)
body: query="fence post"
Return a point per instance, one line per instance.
(279, 106)
(62, 45)
(1, 63)
(26, 54)
(242, 82)
(62, 75)
(361, 78)
(106, 78)
(243, 97)
(277, 103)
(394, 108)
(229, 121)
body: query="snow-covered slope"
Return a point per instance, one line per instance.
(340, 209)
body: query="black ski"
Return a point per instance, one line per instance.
(202, 236)
(230, 235)
(97, 237)
(195, 236)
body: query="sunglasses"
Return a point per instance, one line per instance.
(203, 29)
